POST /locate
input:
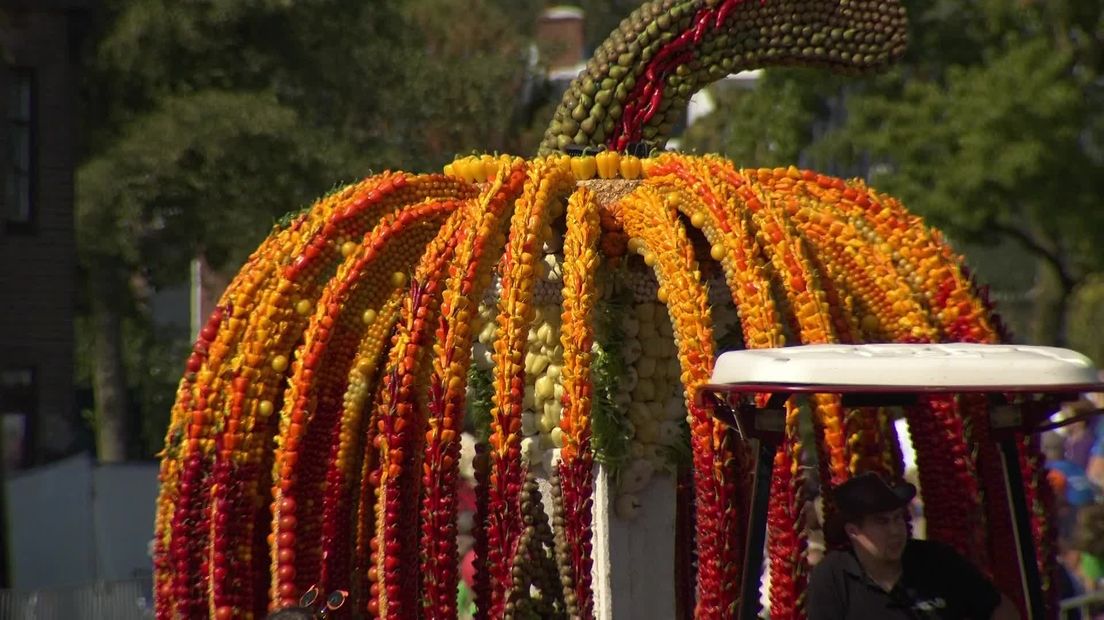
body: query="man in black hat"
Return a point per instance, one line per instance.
(885, 574)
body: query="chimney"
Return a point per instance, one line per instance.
(560, 39)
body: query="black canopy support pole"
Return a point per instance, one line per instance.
(1021, 522)
(757, 530)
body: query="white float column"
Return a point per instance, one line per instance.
(634, 558)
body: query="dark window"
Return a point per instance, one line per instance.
(19, 185)
(18, 405)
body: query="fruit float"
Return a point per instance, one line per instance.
(568, 306)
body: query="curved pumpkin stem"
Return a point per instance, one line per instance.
(640, 79)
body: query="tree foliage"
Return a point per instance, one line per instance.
(990, 128)
(205, 120)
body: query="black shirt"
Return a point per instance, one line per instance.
(936, 584)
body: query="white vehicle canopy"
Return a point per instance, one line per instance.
(1025, 385)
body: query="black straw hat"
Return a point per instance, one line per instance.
(868, 494)
(865, 494)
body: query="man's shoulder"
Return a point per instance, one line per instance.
(923, 545)
(925, 551)
(834, 561)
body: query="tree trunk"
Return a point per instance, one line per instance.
(1053, 294)
(108, 373)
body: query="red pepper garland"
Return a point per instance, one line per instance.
(651, 218)
(547, 181)
(399, 564)
(469, 274)
(713, 211)
(315, 396)
(963, 316)
(167, 559)
(576, 469)
(782, 543)
(438, 557)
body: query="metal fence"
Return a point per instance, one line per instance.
(105, 600)
(1086, 607)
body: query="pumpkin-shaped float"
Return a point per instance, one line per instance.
(315, 439)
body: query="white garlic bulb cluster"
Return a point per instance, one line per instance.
(651, 398)
(542, 402)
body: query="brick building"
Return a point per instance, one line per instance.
(38, 125)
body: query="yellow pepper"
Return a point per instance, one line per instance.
(630, 167)
(609, 163)
(584, 167)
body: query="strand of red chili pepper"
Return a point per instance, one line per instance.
(468, 275)
(715, 521)
(1001, 536)
(799, 284)
(364, 392)
(1004, 562)
(194, 556)
(182, 504)
(646, 97)
(317, 385)
(730, 183)
(191, 546)
(396, 564)
(270, 333)
(249, 403)
(781, 542)
(169, 475)
(548, 180)
(901, 230)
(335, 520)
(716, 213)
(577, 464)
(961, 316)
(441, 450)
(776, 240)
(399, 443)
(649, 215)
(952, 507)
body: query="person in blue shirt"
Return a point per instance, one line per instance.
(1095, 468)
(1071, 484)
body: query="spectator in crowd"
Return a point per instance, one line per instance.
(1072, 488)
(1080, 436)
(1095, 468)
(1089, 541)
(1070, 582)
